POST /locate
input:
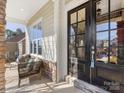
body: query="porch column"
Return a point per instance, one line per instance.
(58, 12)
(27, 40)
(2, 45)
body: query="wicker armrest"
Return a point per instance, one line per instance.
(22, 68)
(22, 65)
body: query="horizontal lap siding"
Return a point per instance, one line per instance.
(67, 1)
(48, 47)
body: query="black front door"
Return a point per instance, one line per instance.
(78, 48)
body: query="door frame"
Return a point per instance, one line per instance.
(90, 27)
(85, 5)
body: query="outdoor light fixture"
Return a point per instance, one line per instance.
(98, 11)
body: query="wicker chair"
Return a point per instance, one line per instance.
(26, 69)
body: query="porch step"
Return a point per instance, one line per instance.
(84, 86)
(69, 79)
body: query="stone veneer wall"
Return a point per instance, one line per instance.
(49, 70)
(48, 67)
(2, 45)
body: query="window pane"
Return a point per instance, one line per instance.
(102, 7)
(117, 10)
(102, 47)
(113, 55)
(31, 47)
(113, 38)
(73, 29)
(80, 40)
(72, 52)
(81, 28)
(102, 39)
(113, 24)
(116, 4)
(72, 40)
(121, 55)
(74, 18)
(120, 33)
(102, 15)
(102, 26)
(39, 47)
(35, 47)
(102, 54)
(81, 15)
(81, 53)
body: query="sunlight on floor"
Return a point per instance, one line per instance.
(35, 85)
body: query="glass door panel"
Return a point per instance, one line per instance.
(72, 48)
(77, 40)
(81, 53)
(74, 18)
(81, 27)
(72, 40)
(80, 40)
(73, 29)
(81, 15)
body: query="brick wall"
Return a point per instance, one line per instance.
(2, 45)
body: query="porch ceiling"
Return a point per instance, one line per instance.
(23, 9)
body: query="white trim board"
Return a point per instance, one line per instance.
(74, 3)
(36, 22)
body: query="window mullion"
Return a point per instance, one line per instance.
(109, 26)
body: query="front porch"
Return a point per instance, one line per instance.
(35, 84)
(71, 39)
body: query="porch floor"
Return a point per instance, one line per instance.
(35, 85)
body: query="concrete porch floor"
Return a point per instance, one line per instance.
(35, 85)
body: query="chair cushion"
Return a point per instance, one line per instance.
(22, 59)
(37, 65)
(23, 70)
(30, 65)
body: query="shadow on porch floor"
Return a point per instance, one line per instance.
(35, 85)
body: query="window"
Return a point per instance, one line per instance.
(36, 39)
(39, 47)
(109, 31)
(35, 48)
(43, 44)
(31, 47)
